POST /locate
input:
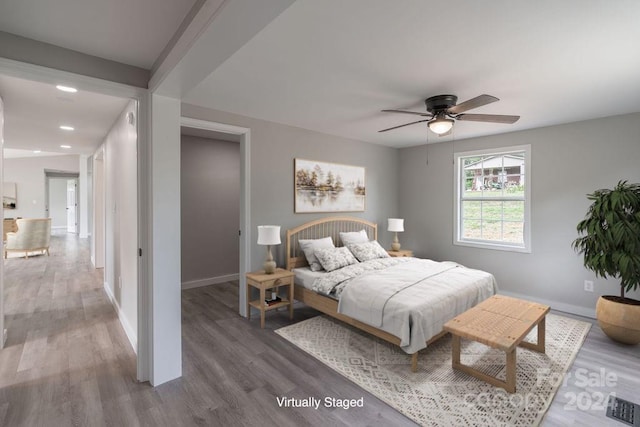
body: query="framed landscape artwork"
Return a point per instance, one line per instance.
(9, 198)
(328, 187)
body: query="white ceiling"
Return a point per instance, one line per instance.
(131, 32)
(332, 65)
(34, 112)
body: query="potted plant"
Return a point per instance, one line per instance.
(610, 243)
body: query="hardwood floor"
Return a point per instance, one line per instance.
(68, 362)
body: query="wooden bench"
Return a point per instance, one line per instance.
(500, 322)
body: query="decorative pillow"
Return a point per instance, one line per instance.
(353, 237)
(368, 251)
(335, 258)
(309, 246)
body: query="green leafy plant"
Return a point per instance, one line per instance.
(610, 235)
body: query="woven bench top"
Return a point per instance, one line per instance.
(499, 322)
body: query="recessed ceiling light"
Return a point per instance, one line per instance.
(65, 127)
(67, 89)
(65, 146)
(37, 151)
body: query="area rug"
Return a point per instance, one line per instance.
(437, 395)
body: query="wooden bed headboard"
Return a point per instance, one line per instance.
(325, 227)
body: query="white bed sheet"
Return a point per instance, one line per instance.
(414, 300)
(305, 276)
(410, 298)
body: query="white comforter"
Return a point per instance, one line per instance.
(411, 299)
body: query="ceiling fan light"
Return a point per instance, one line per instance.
(440, 125)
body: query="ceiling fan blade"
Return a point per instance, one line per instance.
(472, 103)
(408, 112)
(490, 118)
(406, 124)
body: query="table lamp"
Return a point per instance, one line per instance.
(396, 225)
(269, 235)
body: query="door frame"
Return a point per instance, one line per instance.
(50, 174)
(76, 209)
(245, 195)
(52, 76)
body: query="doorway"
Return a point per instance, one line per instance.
(210, 207)
(140, 283)
(245, 231)
(61, 201)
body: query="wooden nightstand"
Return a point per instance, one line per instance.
(400, 253)
(261, 280)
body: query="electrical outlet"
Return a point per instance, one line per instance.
(588, 286)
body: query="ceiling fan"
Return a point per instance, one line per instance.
(442, 111)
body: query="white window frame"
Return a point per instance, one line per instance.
(458, 193)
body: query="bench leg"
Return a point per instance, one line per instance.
(455, 351)
(509, 385)
(540, 345)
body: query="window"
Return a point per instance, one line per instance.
(493, 199)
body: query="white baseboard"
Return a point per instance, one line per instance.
(209, 281)
(128, 330)
(559, 306)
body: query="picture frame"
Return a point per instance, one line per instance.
(9, 195)
(323, 187)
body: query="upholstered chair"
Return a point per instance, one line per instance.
(33, 235)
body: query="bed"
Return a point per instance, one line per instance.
(386, 301)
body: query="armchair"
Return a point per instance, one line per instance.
(33, 235)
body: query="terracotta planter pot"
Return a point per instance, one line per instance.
(619, 318)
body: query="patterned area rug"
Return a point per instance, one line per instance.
(437, 395)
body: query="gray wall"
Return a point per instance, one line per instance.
(273, 148)
(47, 55)
(210, 200)
(28, 174)
(568, 161)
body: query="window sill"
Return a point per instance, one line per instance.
(493, 246)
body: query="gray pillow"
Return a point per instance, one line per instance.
(368, 251)
(335, 258)
(309, 246)
(353, 237)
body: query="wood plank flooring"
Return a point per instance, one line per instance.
(68, 363)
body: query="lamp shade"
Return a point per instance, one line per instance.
(440, 125)
(395, 224)
(268, 234)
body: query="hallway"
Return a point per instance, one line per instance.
(67, 360)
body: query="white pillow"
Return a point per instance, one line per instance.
(368, 251)
(353, 237)
(335, 258)
(309, 246)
